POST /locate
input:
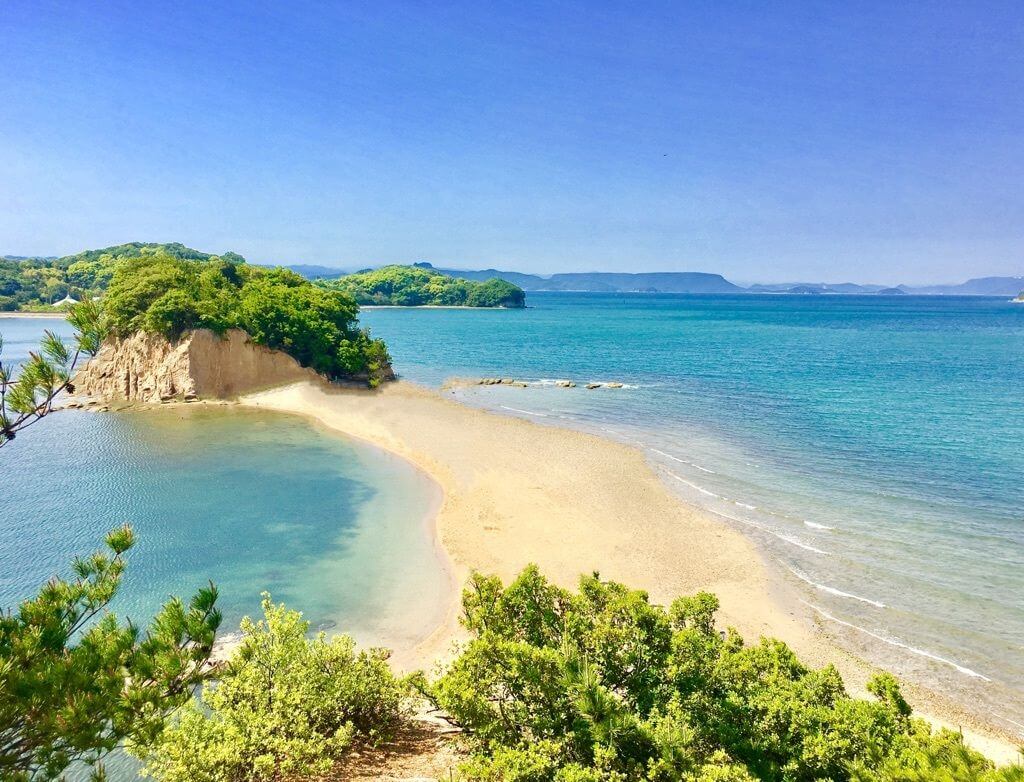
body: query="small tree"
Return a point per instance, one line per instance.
(28, 395)
(75, 682)
(285, 707)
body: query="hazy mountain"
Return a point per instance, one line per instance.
(694, 282)
(813, 287)
(979, 286)
(647, 282)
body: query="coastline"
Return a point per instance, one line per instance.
(515, 492)
(40, 315)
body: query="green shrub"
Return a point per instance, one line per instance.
(286, 707)
(600, 684)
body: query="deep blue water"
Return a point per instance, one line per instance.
(873, 445)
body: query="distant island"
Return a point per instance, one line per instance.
(692, 282)
(45, 283)
(422, 285)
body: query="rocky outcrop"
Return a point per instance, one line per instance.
(150, 368)
(461, 382)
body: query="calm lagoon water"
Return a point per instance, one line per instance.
(874, 446)
(251, 500)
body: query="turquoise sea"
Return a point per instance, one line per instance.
(871, 445)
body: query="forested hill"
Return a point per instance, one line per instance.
(417, 286)
(38, 282)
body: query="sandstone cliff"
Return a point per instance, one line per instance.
(149, 368)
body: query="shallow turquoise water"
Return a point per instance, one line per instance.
(252, 500)
(872, 445)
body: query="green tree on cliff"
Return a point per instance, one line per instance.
(163, 294)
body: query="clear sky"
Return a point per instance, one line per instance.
(878, 142)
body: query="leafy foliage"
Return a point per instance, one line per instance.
(75, 682)
(28, 392)
(602, 685)
(36, 283)
(415, 286)
(163, 294)
(286, 707)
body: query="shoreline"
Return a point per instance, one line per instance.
(516, 492)
(31, 315)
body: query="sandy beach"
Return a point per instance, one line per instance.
(516, 492)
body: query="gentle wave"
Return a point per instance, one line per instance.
(814, 525)
(701, 489)
(682, 461)
(781, 536)
(524, 412)
(833, 591)
(893, 642)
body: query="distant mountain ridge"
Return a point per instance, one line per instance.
(605, 282)
(979, 286)
(695, 282)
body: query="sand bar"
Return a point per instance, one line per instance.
(516, 492)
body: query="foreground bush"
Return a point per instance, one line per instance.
(286, 707)
(602, 685)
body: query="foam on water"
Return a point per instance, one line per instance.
(893, 642)
(815, 525)
(833, 591)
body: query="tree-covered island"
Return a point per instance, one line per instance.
(418, 286)
(169, 289)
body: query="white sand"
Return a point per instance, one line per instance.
(516, 492)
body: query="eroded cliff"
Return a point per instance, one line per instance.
(149, 368)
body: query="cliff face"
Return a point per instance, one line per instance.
(149, 368)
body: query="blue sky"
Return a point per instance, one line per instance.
(765, 141)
